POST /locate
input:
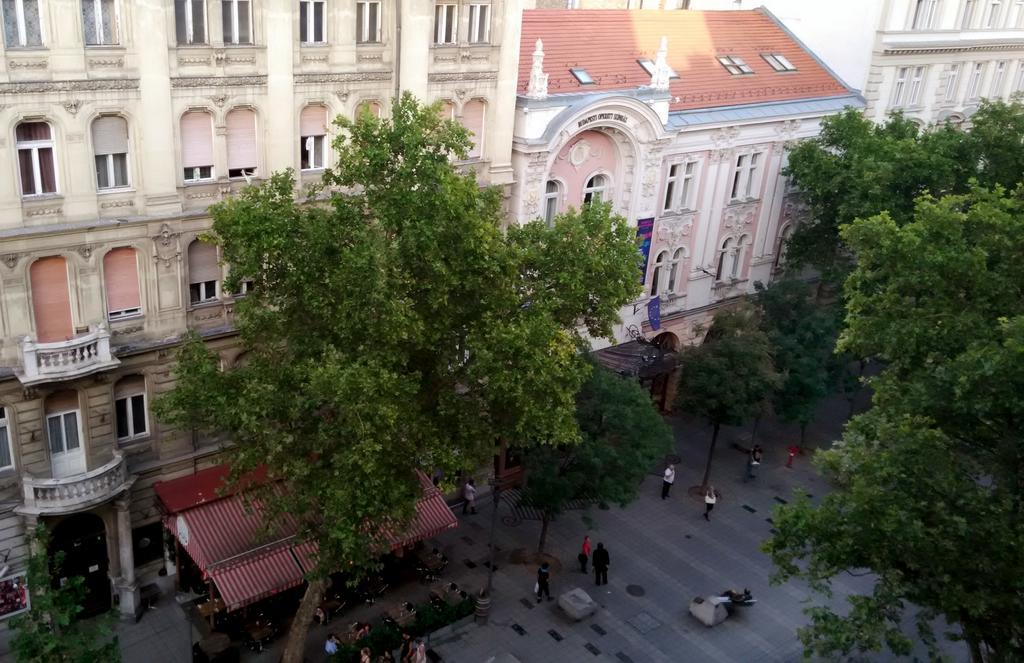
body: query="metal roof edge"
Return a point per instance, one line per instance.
(678, 119)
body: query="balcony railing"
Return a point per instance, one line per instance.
(64, 360)
(79, 491)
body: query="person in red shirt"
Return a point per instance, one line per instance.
(584, 555)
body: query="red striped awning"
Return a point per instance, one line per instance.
(433, 516)
(255, 578)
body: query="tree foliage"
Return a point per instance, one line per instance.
(929, 484)
(392, 326)
(622, 437)
(50, 631)
(728, 378)
(856, 169)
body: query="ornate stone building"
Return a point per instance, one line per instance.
(120, 123)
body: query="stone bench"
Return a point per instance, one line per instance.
(577, 604)
(708, 610)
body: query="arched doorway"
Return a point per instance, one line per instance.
(83, 540)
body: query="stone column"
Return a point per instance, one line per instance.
(127, 588)
(279, 127)
(502, 108)
(417, 31)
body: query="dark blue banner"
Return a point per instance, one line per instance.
(654, 312)
(644, 232)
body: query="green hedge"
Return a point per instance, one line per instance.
(389, 638)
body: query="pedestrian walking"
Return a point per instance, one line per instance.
(584, 554)
(543, 579)
(469, 497)
(331, 646)
(793, 451)
(601, 561)
(710, 497)
(668, 480)
(754, 461)
(419, 653)
(405, 652)
(365, 655)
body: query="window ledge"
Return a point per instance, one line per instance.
(206, 182)
(738, 202)
(27, 49)
(113, 191)
(105, 47)
(43, 198)
(126, 318)
(207, 304)
(127, 442)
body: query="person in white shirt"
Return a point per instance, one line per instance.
(710, 498)
(669, 479)
(469, 497)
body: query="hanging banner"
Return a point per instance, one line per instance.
(644, 232)
(654, 312)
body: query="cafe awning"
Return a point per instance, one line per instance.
(636, 359)
(249, 580)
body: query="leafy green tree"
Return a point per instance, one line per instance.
(856, 169)
(622, 437)
(50, 631)
(392, 325)
(729, 377)
(803, 337)
(928, 490)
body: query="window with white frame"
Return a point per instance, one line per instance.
(21, 23)
(680, 185)
(445, 23)
(190, 21)
(658, 276)
(596, 189)
(368, 22)
(552, 196)
(203, 272)
(967, 15)
(99, 20)
(121, 283)
(130, 408)
(236, 20)
(1018, 83)
(744, 178)
(675, 267)
(6, 453)
(313, 137)
(479, 23)
(778, 61)
(899, 86)
(311, 21)
(738, 255)
(36, 162)
(1016, 15)
(735, 65)
(974, 82)
(924, 14)
(728, 251)
(953, 81)
(782, 247)
(998, 76)
(110, 150)
(197, 146)
(914, 88)
(993, 14)
(671, 184)
(241, 142)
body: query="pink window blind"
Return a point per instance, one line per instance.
(129, 386)
(109, 135)
(473, 119)
(61, 401)
(121, 278)
(51, 302)
(448, 111)
(196, 139)
(313, 121)
(202, 262)
(241, 138)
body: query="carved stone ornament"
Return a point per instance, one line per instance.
(45, 211)
(85, 251)
(106, 62)
(460, 93)
(11, 260)
(342, 95)
(219, 99)
(674, 231)
(662, 73)
(582, 152)
(724, 137)
(218, 81)
(538, 86)
(72, 106)
(27, 64)
(740, 216)
(218, 56)
(463, 76)
(193, 61)
(166, 246)
(36, 87)
(117, 203)
(787, 130)
(343, 78)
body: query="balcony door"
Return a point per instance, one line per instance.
(67, 456)
(51, 300)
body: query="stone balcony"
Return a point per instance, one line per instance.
(64, 360)
(78, 492)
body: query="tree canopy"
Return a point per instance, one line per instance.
(393, 325)
(928, 483)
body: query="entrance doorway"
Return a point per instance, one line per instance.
(83, 540)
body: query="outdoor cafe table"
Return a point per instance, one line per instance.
(431, 561)
(259, 632)
(399, 614)
(448, 592)
(208, 609)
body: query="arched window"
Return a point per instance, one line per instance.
(675, 270)
(552, 194)
(121, 281)
(727, 249)
(782, 246)
(51, 299)
(203, 272)
(6, 453)
(197, 146)
(110, 150)
(372, 107)
(658, 277)
(447, 110)
(596, 189)
(474, 114)
(36, 162)
(313, 137)
(737, 256)
(130, 408)
(241, 139)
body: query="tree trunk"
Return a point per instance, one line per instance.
(544, 522)
(296, 645)
(753, 431)
(711, 454)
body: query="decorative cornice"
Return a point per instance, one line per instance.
(45, 211)
(35, 87)
(218, 81)
(344, 78)
(463, 76)
(106, 62)
(27, 64)
(935, 50)
(117, 203)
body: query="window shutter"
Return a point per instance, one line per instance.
(121, 278)
(109, 136)
(62, 401)
(202, 262)
(313, 121)
(241, 138)
(51, 302)
(129, 386)
(473, 119)
(196, 139)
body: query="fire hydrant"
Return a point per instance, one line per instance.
(793, 451)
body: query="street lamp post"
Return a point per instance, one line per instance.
(483, 602)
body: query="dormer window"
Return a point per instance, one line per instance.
(778, 61)
(648, 65)
(582, 76)
(735, 65)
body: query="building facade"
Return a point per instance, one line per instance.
(120, 123)
(933, 60)
(681, 120)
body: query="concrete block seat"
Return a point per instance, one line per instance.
(577, 604)
(708, 610)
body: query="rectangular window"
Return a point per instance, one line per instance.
(235, 16)
(974, 83)
(995, 8)
(479, 24)
(967, 18)
(21, 23)
(190, 21)
(110, 149)
(63, 431)
(6, 455)
(197, 146)
(36, 163)
(899, 88)
(121, 282)
(1018, 84)
(241, 142)
(778, 62)
(445, 24)
(100, 22)
(130, 413)
(204, 291)
(687, 188)
(670, 187)
(924, 14)
(368, 22)
(914, 89)
(311, 21)
(313, 137)
(996, 89)
(312, 153)
(744, 176)
(953, 82)
(1017, 17)
(735, 65)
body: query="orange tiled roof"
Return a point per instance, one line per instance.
(607, 43)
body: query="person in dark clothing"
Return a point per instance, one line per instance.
(543, 578)
(600, 562)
